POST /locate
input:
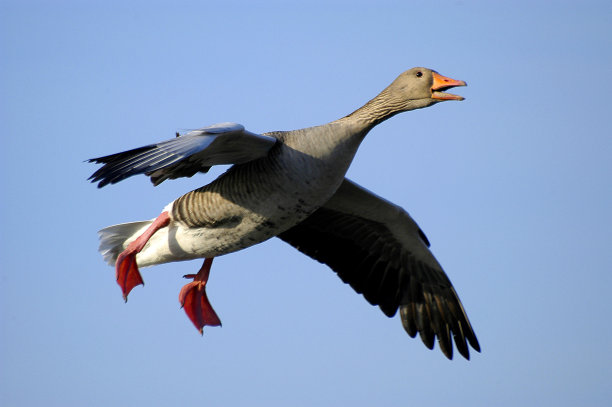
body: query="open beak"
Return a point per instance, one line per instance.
(442, 83)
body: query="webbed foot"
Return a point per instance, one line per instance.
(195, 302)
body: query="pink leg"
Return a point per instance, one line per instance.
(126, 269)
(194, 300)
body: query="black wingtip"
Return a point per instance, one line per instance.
(424, 237)
(117, 167)
(474, 343)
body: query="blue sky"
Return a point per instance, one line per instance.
(512, 187)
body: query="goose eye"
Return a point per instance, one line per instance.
(419, 74)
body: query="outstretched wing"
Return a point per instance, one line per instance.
(184, 156)
(377, 248)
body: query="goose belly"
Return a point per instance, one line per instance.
(178, 242)
(245, 206)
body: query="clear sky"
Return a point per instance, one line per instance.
(513, 187)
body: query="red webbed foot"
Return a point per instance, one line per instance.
(195, 302)
(127, 272)
(126, 268)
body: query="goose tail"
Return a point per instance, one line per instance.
(114, 239)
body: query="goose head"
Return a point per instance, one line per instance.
(421, 87)
(414, 89)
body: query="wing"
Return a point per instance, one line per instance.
(377, 248)
(184, 156)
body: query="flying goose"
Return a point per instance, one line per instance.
(291, 184)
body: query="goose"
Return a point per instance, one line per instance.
(292, 185)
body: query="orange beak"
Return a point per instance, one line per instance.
(442, 83)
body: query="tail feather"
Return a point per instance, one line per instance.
(114, 239)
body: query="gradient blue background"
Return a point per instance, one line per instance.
(513, 187)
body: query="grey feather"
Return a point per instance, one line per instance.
(184, 156)
(379, 250)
